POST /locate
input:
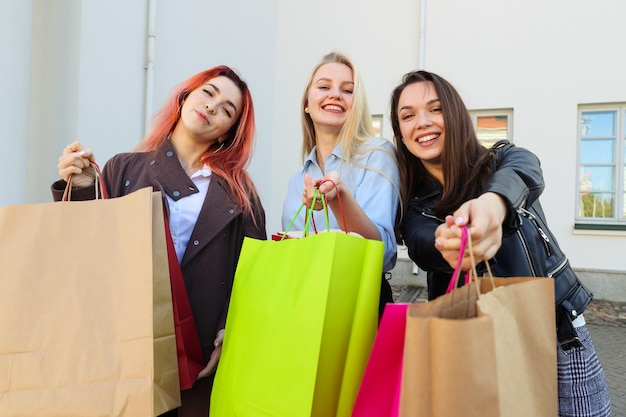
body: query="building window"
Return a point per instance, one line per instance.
(377, 124)
(493, 125)
(601, 167)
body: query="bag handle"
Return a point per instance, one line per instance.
(309, 219)
(306, 221)
(471, 274)
(324, 208)
(473, 269)
(454, 281)
(98, 184)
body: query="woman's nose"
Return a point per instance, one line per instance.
(423, 122)
(210, 108)
(335, 93)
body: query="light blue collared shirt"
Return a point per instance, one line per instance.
(373, 179)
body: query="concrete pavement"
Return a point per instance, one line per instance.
(607, 327)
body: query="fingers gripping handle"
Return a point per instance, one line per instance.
(98, 184)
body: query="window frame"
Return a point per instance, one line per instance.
(507, 112)
(618, 220)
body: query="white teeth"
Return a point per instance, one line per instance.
(331, 107)
(427, 138)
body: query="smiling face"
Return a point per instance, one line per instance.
(421, 123)
(330, 96)
(211, 110)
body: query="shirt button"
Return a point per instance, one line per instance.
(196, 242)
(574, 313)
(176, 193)
(127, 183)
(192, 189)
(231, 211)
(169, 153)
(333, 157)
(152, 162)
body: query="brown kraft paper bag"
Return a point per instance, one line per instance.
(86, 319)
(489, 355)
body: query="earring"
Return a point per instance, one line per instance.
(306, 109)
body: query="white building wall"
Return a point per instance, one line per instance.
(54, 87)
(15, 61)
(85, 78)
(366, 30)
(542, 59)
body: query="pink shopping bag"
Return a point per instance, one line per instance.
(379, 393)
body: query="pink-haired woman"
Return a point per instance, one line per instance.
(196, 155)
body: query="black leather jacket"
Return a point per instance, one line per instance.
(528, 247)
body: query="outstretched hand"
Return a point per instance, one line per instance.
(484, 217)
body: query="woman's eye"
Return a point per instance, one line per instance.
(406, 116)
(227, 112)
(209, 92)
(348, 91)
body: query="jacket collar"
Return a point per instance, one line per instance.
(169, 172)
(424, 197)
(426, 191)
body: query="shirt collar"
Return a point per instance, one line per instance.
(205, 172)
(312, 158)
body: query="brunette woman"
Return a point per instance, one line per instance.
(450, 180)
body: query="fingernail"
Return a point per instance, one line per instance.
(82, 153)
(458, 221)
(437, 242)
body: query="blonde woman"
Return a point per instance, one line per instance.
(339, 144)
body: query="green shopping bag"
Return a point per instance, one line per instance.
(301, 323)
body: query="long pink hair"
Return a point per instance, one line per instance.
(229, 162)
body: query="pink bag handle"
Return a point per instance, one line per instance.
(457, 270)
(466, 243)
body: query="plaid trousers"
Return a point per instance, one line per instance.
(582, 386)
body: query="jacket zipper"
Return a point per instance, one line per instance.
(526, 252)
(432, 216)
(533, 219)
(558, 268)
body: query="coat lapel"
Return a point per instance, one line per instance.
(217, 212)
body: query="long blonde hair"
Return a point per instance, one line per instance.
(358, 126)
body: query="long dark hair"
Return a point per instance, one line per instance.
(466, 163)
